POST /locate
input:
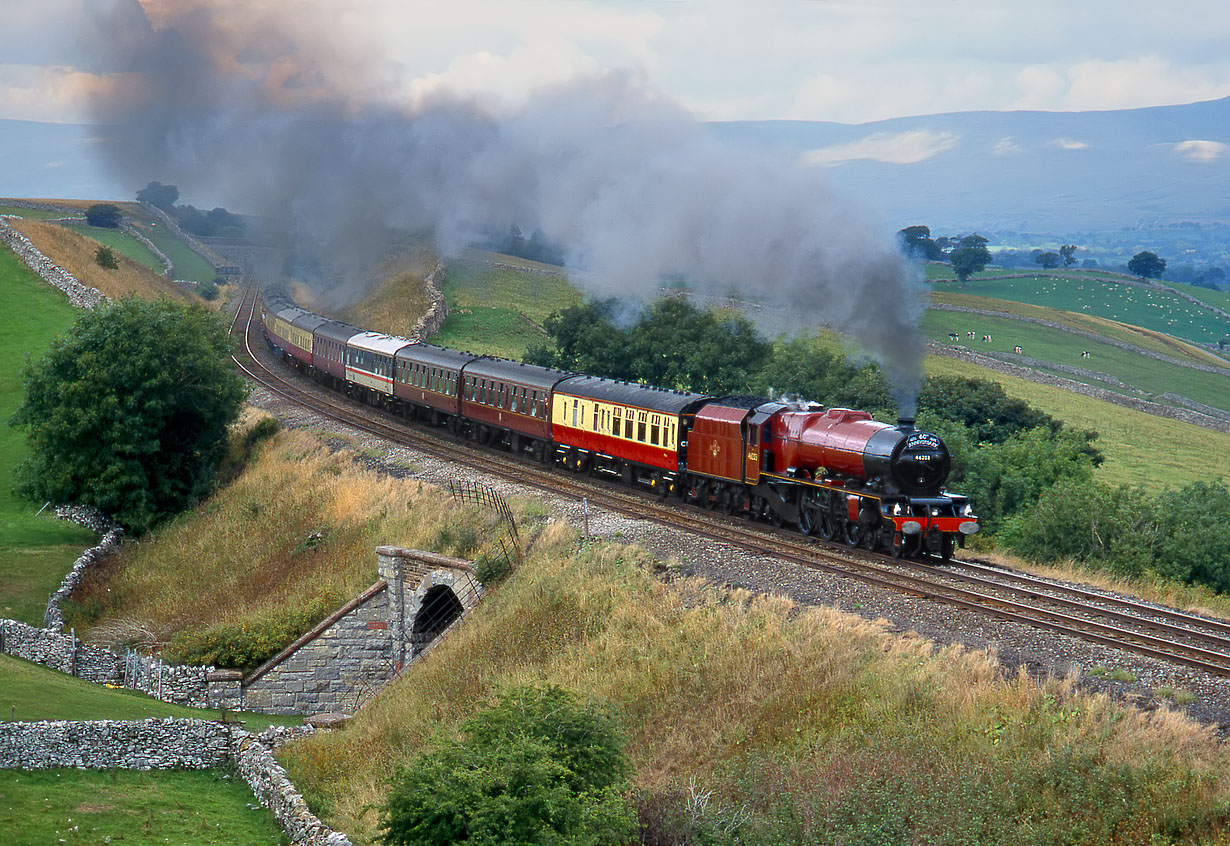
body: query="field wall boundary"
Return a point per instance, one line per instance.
(171, 743)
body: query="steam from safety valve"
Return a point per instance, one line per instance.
(269, 108)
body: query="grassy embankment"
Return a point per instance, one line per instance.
(35, 553)
(398, 301)
(189, 264)
(31, 692)
(823, 726)
(75, 253)
(499, 310)
(264, 559)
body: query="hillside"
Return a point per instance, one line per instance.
(797, 724)
(75, 252)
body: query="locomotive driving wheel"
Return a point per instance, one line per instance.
(853, 533)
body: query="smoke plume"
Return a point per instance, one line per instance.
(262, 111)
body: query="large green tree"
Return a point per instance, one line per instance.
(1146, 265)
(128, 412)
(969, 256)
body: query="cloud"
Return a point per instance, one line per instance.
(1069, 144)
(894, 148)
(1007, 146)
(1201, 151)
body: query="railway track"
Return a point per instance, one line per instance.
(1145, 629)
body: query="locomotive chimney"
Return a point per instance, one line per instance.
(905, 424)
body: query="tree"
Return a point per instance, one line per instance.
(969, 256)
(539, 767)
(129, 411)
(1146, 265)
(1048, 259)
(673, 345)
(105, 258)
(104, 215)
(159, 195)
(917, 244)
(1066, 252)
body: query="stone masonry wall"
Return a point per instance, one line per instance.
(333, 668)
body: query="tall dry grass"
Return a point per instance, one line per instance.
(288, 541)
(75, 253)
(811, 722)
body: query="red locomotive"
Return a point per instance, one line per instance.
(834, 473)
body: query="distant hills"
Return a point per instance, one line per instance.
(1064, 172)
(1059, 172)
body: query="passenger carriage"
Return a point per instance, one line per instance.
(623, 430)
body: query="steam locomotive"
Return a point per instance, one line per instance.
(834, 473)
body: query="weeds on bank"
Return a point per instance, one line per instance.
(259, 563)
(794, 724)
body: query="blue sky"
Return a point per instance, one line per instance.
(818, 60)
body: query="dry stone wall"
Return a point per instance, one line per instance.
(161, 744)
(81, 296)
(430, 323)
(155, 744)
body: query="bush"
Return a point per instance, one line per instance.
(246, 645)
(207, 291)
(103, 215)
(538, 767)
(1083, 520)
(105, 258)
(1178, 535)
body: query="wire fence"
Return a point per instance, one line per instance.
(507, 544)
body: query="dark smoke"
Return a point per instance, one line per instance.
(265, 118)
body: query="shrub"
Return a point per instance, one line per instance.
(103, 215)
(207, 291)
(105, 258)
(538, 767)
(1178, 535)
(242, 646)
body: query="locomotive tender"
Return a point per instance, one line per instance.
(833, 473)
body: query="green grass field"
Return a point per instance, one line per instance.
(1156, 310)
(1141, 449)
(189, 265)
(35, 553)
(30, 692)
(1083, 322)
(1149, 375)
(183, 807)
(494, 310)
(32, 214)
(122, 243)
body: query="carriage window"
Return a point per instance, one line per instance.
(615, 421)
(640, 427)
(653, 434)
(574, 415)
(628, 426)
